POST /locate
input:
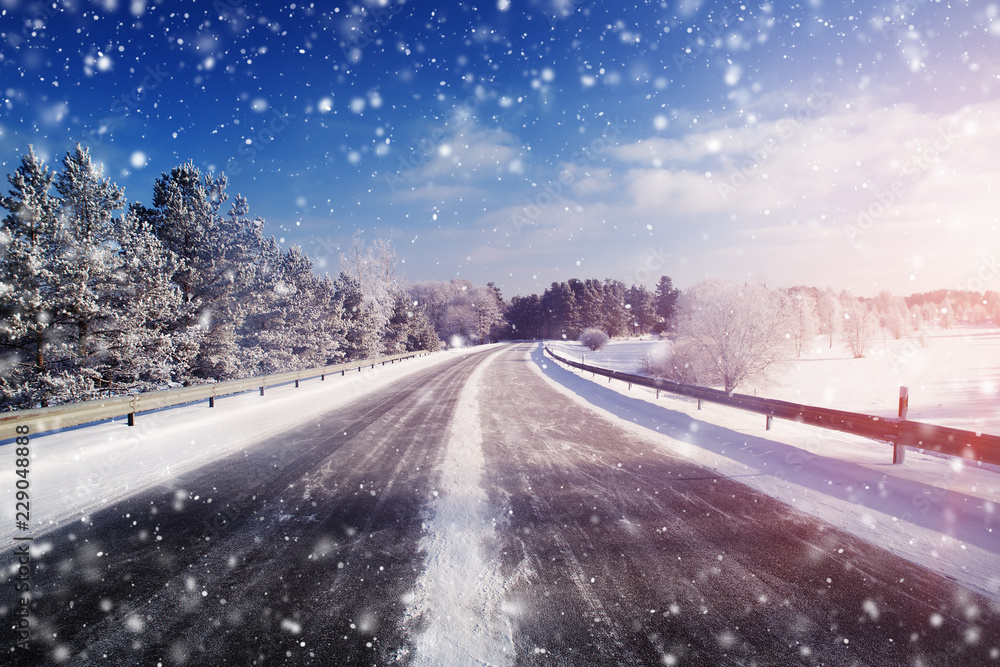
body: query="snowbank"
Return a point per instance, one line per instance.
(79, 470)
(938, 512)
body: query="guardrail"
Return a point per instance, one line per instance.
(898, 432)
(73, 414)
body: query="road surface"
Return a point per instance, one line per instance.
(475, 515)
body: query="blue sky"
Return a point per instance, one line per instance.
(849, 145)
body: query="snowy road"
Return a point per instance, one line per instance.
(474, 515)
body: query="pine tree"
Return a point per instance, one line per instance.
(614, 316)
(641, 317)
(143, 353)
(409, 328)
(217, 257)
(358, 326)
(560, 312)
(86, 259)
(525, 316)
(665, 301)
(28, 286)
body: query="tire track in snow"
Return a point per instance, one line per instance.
(457, 605)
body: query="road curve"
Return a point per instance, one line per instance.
(474, 515)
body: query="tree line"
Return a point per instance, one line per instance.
(727, 334)
(99, 294)
(565, 309)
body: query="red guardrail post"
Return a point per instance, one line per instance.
(898, 448)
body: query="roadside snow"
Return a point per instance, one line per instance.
(953, 376)
(938, 512)
(459, 598)
(79, 470)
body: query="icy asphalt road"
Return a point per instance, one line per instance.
(474, 515)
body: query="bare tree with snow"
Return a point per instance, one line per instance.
(732, 334)
(859, 326)
(373, 266)
(803, 318)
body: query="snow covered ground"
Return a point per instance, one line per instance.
(953, 381)
(78, 470)
(939, 512)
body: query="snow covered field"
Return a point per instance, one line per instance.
(78, 470)
(935, 511)
(953, 381)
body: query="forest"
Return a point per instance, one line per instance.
(102, 296)
(99, 295)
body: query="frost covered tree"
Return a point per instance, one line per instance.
(29, 288)
(828, 315)
(433, 296)
(217, 256)
(488, 305)
(893, 315)
(86, 257)
(374, 268)
(359, 327)
(402, 324)
(461, 312)
(104, 277)
(141, 352)
(274, 332)
(858, 325)
(409, 328)
(732, 334)
(803, 318)
(593, 339)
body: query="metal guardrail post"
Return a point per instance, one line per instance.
(899, 432)
(898, 448)
(57, 417)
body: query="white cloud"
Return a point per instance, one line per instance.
(463, 152)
